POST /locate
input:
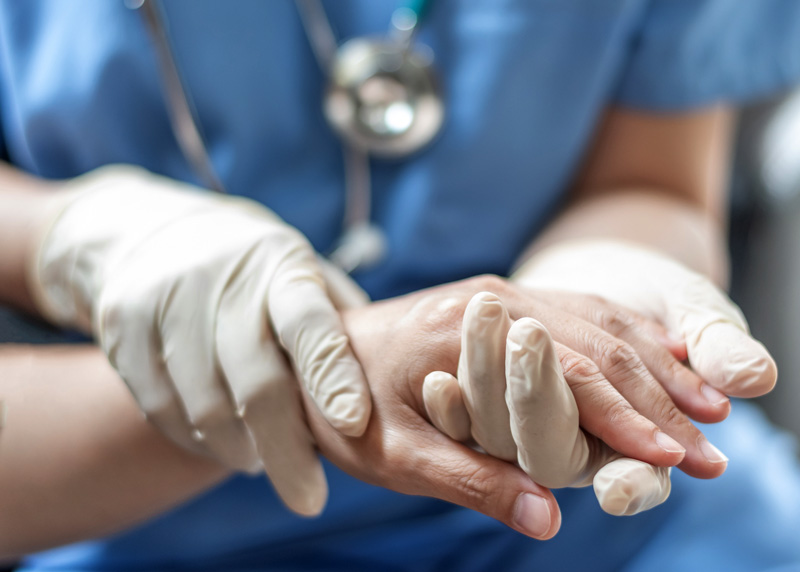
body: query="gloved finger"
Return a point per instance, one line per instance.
(623, 368)
(311, 331)
(342, 290)
(622, 486)
(720, 348)
(189, 355)
(544, 417)
(626, 487)
(267, 395)
(445, 406)
(687, 390)
(605, 413)
(144, 373)
(481, 374)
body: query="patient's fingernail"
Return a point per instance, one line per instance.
(667, 443)
(532, 514)
(710, 452)
(713, 396)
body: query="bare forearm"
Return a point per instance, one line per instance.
(23, 204)
(77, 460)
(650, 218)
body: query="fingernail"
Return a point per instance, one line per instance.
(710, 452)
(713, 396)
(532, 514)
(667, 443)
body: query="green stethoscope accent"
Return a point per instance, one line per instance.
(382, 99)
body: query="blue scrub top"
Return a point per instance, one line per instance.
(525, 83)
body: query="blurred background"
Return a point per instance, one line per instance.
(765, 242)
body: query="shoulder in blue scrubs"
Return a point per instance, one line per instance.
(525, 83)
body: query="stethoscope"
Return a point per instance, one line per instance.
(382, 99)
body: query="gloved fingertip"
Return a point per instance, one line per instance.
(626, 487)
(349, 413)
(312, 503)
(733, 362)
(754, 378)
(484, 305)
(528, 333)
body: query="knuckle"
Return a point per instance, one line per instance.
(477, 484)
(620, 414)
(667, 414)
(489, 283)
(596, 301)
(616, 356)
(616, 321)
(579, 370)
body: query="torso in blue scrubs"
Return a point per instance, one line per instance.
(525, 83)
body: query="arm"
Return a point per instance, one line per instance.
(77, 459)
(657, 180)
(643, 230)
(183, 289)
(23, 200)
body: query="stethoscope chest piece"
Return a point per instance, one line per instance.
(383, 97)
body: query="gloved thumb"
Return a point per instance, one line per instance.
(718, 342)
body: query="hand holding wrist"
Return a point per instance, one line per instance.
(194, 297)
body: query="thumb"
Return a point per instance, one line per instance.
(460, 475)
(718, 342)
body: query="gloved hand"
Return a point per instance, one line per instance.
(717, 339)
(512, 398)
(186, 292)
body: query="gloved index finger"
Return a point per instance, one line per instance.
(311, 331)
(481, 373)
(551, 447)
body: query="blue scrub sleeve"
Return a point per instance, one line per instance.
(691, 53)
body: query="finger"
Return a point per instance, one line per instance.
(608, 415)
(675, 346)
(622, 367)
(311, 331)
(699, 400)
(544, 417)
(720, 348)
(481, 374)
(267, 395)
(686, 389)
(190, 359)
(732, 361)
(143, 370)
(626, 487)
(445, 406)
(458, 474)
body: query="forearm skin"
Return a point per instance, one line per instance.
(77, 459)
(650, 218)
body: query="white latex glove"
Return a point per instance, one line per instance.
(186, 291)
(511, 396)
(717, 339)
